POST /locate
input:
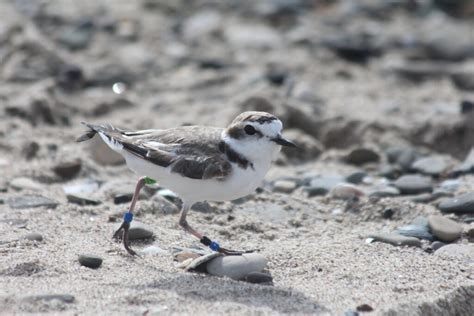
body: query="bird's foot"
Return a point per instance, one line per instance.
(122, 233)
(227, 252)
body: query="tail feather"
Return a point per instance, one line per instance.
(93, 129)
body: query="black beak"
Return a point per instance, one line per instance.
(283, 142)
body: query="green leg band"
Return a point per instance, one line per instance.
(149, 180)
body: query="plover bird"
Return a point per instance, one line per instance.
(199, 163)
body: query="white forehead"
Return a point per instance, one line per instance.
(271, 128)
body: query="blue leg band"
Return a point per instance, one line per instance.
(214, 246)
(128, 217)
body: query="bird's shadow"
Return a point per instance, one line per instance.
(214, 289)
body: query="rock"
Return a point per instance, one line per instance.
(467, 166)
(68, 169)
(433, 166)
(421, 198)
(78, 35)
(358, 48)
(444, 228)
(139, 230)
(466, 106)
(360, 156)
(356, 177)
(236, 267)
(436, 245)
(284, 186)
(102, 153)
(390, 171)
(413, 230)
(346, 191)
(364, 308)
(81, 199)
(258, 278)
(64, 298)
(203, 207)
(30, 150)
(401, 156)
(321, 186)
(461, 204)
(463, 80)
(396, 239)
(31, 201)
(457, 251)
(90, 261)
(25, 184)
(384, 192)
(34, 237)
(457, 9)
(70, 77)
(123, 198)
(388, 213)
(413, 184)
(308, 147)
(450, 185)
(351, 313)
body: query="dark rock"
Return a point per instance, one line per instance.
(467, 106)
(401, 156)
(364, 308)
(436, 245)
(388, 213)
(413, 184)
(68, 169)
(361, 156)
(418, 71)
(358, 48)
(460, 204)
(31, 201)
(276, 76)
(433, 166)
(34, 237)
(139, 230)
(458, 8)
(64, 298)
(78, 35)
(396, 239)
(81, 199)
(30, 150)
(70, 77)
(90, 261)
(463, 80)
(123, 198)
(356, 177)
(203, 207)
(258, 278)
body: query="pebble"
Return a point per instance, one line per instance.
(81, 199)
(236, 267)
(450, 185)
(356, 48)
(388, 213)
(346, 191)
(422, 198)
(25, 184)
(401, 156)
(33, 237)
(415, 229)
(356, 177)
(444, 228)
(466, 106)
(384, 192)
(321, 186)
(459, 251)
(123, 198)
(360, 156)
(396, 239)
(203, 207)
(203, 23)
(461, 204)
(139, 230)
(30, 150)
(70, 77)
(284, 186)
(31, 201)
(90, 261)
(251, 36)
(258, 278)
(78, 35)
(433, 166)
(68, 169)
(413, 184)
(65, 298)
(390, 171)
(364, 308)
(437, 244)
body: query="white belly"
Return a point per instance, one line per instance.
(240, 183)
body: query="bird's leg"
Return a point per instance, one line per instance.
(204, 239)
(128, 217)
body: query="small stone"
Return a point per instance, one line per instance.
(203, 207)
(436, 245)
(384, 192)
(457, 251)
(25, 184)
(321, 186)
(450, 185)
(139, 230)
(81, 199)
(236, 267)
(258, 278)
(464, 80)
(90, 261)
(433, 166)
(351, 313)
(202, 23)
(255, 36)
(401, 156)
(388, 213)
(413, 184)
(284, 186)
(466, 106)
(364, 308)
(31, 201)
(123, 198)
(422, 198)
(444, 228)
(413, 230)
(164, 205)
(360, 156)
(390, 171)
(68, 169)
(461, 204)
(356, 177)
(70, 77)
(396, 239)
(346, 191)
(30, 150)
(34, 237)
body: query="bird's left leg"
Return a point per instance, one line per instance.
(204, 239)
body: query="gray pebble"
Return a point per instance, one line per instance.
(437, 244)
(34, 237)
(203, 207)
(444, 228)
(139, 230)
(402, 157)
(360, 156)
(384, 192)
(417, 231)
(25, 184)
(422, 198)
(258, 277)
(396, 239)
(68, 169)
(284, 186)
(236, 267)
(321, 186)
(81, 199)
(460, 204)
(31, 201)
(356, 177)
(433, 166)
(413, 184)
(90, 261)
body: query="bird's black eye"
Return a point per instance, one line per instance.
(249, 129)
